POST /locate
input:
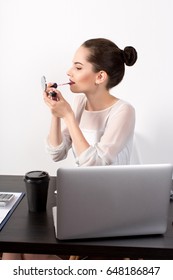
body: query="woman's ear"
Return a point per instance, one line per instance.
(101, 77)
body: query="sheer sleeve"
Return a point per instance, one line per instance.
(60, 152)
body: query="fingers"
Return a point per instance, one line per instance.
(52, 97)
(51, 93)
(54, 85)
(48, 99)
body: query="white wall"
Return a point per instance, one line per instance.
(39, 37)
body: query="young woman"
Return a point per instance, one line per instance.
(99, 127)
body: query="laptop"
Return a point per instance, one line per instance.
(112, 201)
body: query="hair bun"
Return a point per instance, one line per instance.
(129, 56)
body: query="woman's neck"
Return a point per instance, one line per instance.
(101, 101)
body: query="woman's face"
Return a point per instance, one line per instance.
(81, 73)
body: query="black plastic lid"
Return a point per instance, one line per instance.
(36, 175)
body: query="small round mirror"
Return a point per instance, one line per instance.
(43, 83)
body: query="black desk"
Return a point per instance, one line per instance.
(34, 233)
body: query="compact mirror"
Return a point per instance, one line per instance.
(43, 83)
(52, 94)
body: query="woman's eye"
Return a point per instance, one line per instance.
(78, 68)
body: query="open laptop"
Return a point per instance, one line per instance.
(109, 201)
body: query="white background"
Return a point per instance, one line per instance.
(39, 37)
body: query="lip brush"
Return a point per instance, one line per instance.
(55, 85)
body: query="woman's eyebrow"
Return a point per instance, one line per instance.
(78, 63)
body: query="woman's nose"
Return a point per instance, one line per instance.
(69, 72)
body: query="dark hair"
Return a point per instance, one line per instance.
(106, 56)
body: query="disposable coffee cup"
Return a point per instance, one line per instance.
(37, 183)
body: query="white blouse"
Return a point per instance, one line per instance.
(109, 133)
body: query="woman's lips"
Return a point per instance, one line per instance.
(71, 83)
